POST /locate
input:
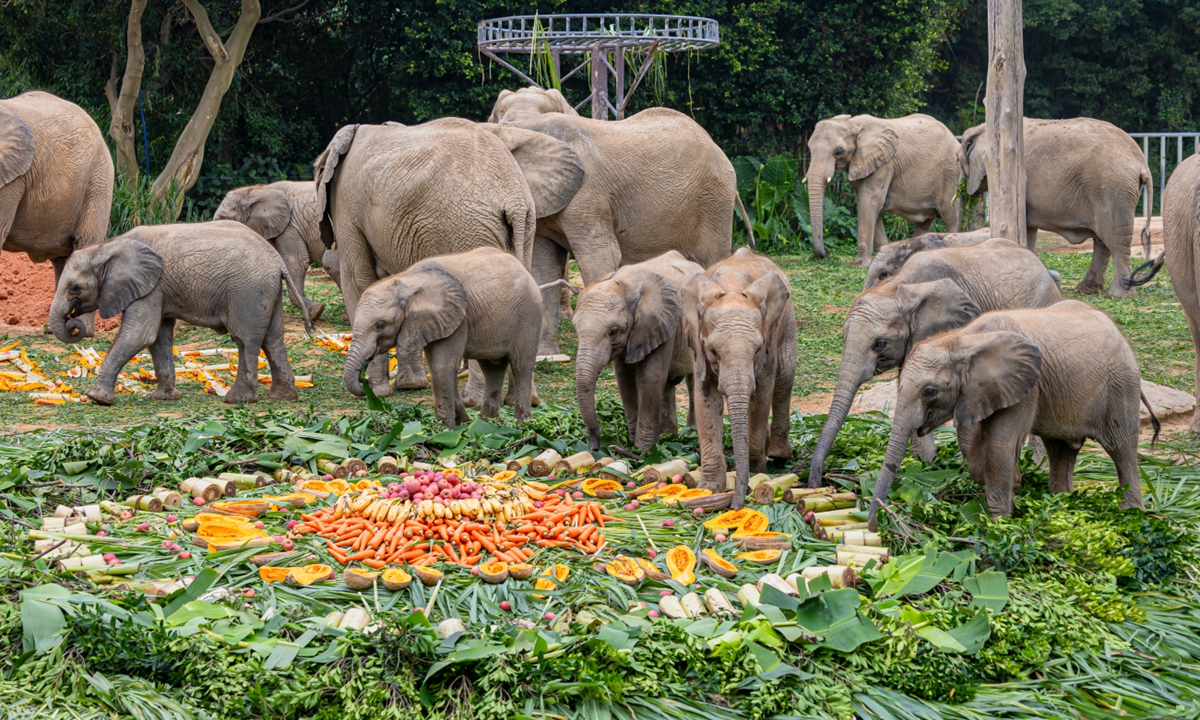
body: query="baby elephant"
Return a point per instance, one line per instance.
(482, 305)
(220, 275)
(1064, 373)
(891, 258)
(631, 316)
(741, 328)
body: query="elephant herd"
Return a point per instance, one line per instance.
(451, 238)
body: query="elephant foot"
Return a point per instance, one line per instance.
(1119, 291)
(166, 394)
(862, 261)
(237, 395)
(315, 310)
(282, 391)
(409, 378)
(100, 396)
(472, 394)
(1088, 288)
(548, 347)
(383, 390)
(510, 399)
(1196, 422)
(779, 450)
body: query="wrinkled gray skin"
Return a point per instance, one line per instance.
(905, 166)
(1181, 240)
(652, 182)
(56, 181)
(631, 318)
(285, 214)
(391, 195)
(1083, 180)
(482, 305)
(528, 102)
(935, 291)
(891, 257)
(219, 275)
(1063, 373)
(741, 330)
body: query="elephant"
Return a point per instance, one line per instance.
(56, 180)
(892, 256)
(652, 182)
(1083, 180)
(529, 102)
(391, 196)
(220, 275)
(482, 304)
(935, 291)
(907, 166)
(631, 316)
(741, 329)
(1064, 373)
(285, 214)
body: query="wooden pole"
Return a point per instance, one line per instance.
(599, 85)
(1004, 122)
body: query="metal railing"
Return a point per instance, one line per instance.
(1163, 147)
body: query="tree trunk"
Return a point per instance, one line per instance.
(184, 166)
(121, 102)
(1004, 121)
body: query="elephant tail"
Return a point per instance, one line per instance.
(1153, 420)
(1145, 272)
(737, 201)
(296, 297)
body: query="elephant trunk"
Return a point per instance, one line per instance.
(66, 329)
(356, 358)
(590, 359)
(902, 430)
(818, 175)
(738, 404)
(851, 377)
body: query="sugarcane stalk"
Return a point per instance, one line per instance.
(767, 490)
(852, 559)
(858, 537)
(825, 503)
(883, 552)
(242, 481)
(792, 495)
(543, 464)
(81, 564)
(112, 508)
(574, 464)
(839, 575)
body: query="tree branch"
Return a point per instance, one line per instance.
(164, 30)
(279, 16)
(212, 41)
(121, 104)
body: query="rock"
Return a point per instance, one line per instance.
(881, 397)
(1170, 405)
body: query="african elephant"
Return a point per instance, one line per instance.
(391, 195)
(905, 166)
(1083, 180)
(285, 214)
(529, 102)
(219, 275)
(741, 329)
(935, 291)
(631, 316)
(1064, 373)
(652, 182)
(893, 255)
(482, 305)
(56, 180)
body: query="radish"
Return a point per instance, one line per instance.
(143, 527)
(198, 502)
(676, 479)
(550, 616)
(172, 518)
(668, 523)
(259, 524)
(185, 555)
(652, 614)
(720, 538)
(665, 593)
(505, 605)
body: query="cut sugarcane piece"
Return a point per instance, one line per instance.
(717, 603)
(243, 481)
(574, 464)
(758, 479)
(852, 559)
(825, 503)
(663, 472)
(55, 523)
(616, 466)
(206, 489)
(168, 497)
(778, 583)
(692, 605)
(671, 607)
(354, 466)
(797, 581)
(388, 465)
(833, 518)
(146, 503)
(62, 511)
(600, 464)
(883, 552)
(78, 528)
(767, 490)
(857, 537)
(354, 619)
(112, 508)
(543, 464)
(839, 576)
(82, 564)
(791, 495)
(748, 595)
(329, 467)
(518, 464)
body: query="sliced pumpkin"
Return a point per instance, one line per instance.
(396, 579)
(651, 570)
(692, 494)
(626, 570)
(753, 523)
(681, 563)
(503, 476)
(729, 519)
(645, 492)
(761, 557)
(270, 573)
(520, 571)
(670, 493)
(339, 486)
(295, 499)
(309, 574)
(245, 508)
(601, 487)
(427, 575)
(364, 484)
(226, 532)
(494, 571)
(357, 579)
(316, 485)
(561, 572)
(718, 564)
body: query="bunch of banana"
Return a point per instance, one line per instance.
(502, 502)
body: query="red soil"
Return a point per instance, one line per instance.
(26, 290)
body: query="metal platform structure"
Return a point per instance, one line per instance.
(597, 37)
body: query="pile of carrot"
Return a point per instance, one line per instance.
(560, 522)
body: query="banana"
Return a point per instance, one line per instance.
(405, 511)
(392, 513)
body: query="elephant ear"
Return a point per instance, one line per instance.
(877, 144)
(694, 299)
(324, 169)
(269, 212)
(434, 305)
(970, 159)
(495, 116)
(564, 106)
(551, 168)
(934, 307)
(997, 370)
(772, 294)
(654, 306)
(16, 147)
(127, 270)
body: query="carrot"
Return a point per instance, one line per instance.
(363, 555)
(449, 550)
(411, 555)
(377, 564)
(377, 539)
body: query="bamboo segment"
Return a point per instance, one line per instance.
(243, 481)
(600, 464)
(663, 472)
(62, 511)
(354, 466)
(354, 619)
(691, 478)
(112, 508)
(748, 595)
(839, 575)
(853, 559)
(81, 564)
(574, 464)
(692, 605)
(168, 497)
(146, 503)
(616, 466)
(54, 523)
(717, 603)
(672, 608)
(797, 581)
(518, 464)
(834, 518)
(882, 552)
(90, 513)
(859, 537)
(329, 467)
(388, 465)
(543, 464)
(206, 489)
(792, 495)
(767, 490)
(778, 583)
(825, 503)
(730, 480)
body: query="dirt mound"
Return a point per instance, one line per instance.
(26, 290)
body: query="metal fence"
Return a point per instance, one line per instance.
(1158, 146)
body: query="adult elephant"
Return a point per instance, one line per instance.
(652, 182)
(1083, 180)
(56, 180)
(285, 214)
(907, 166)
(391, 195)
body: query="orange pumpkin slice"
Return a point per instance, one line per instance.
(309, 574)
(339, 486)
(395, 579)
(692, 494)
(681, 563)
(729, 519)
(761, 557)
(427, 575)
(503, 476)
(598, 487)
(494, 571)
(357, 579)
(756, 522)
(718, 564)
(245, 508)
(520, 571)
(270, 574)
(670, 493)
(626, 570)
(651, 570)
(645, 492)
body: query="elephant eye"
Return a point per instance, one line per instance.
(840, 152)
(378, 324)
(929, 393)
(614, 331)
(879, 345)
(73, 289)
(883, 276)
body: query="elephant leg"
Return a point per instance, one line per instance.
(140, 324)
(1062, 456)
(1093, 281)
(759, 419)
(922, 227)
(520, 385)
(164, 361)
(510, 398)
(950, 210)
(628, 389)
(474, 395)
(668, 423)
(283, 382)
(881, 237)
(1193, 324)
(89, 320)
(870, 194)
(1122, 267)
(995, 449)
(967, 436)
(779, 442)
(1120, 441)
(245, 384)
(923, 447)
(445, 357)
(410, 372)
(493, 381)
(549, 264)
(650, 379)
(710, 427)
(565, 311)
(691, 416)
